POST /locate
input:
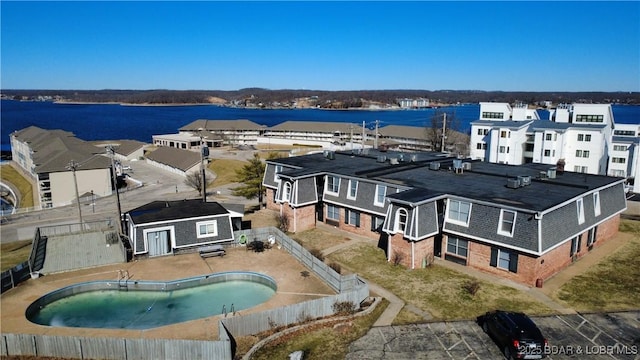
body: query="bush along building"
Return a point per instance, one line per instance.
(524, 222)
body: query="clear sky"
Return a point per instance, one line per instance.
(509, 46)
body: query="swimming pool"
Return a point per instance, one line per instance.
(149, 304)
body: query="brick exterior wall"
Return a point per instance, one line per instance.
(365, 224)
(401, 251)
(271, 204)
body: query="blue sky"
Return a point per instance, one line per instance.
(509, 46)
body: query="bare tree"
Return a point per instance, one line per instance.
(454, 140)
(194, 180)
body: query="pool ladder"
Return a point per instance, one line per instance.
(123, 279)
(224, 310)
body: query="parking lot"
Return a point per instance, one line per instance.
(579, 336)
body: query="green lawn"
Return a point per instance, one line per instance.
(14, 253)
(10, 175)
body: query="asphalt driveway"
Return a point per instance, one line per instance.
(578, 336)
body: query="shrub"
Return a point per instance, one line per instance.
(471, 287)
(317, 253)
(397, 258)
(344, 307)
(283, 222)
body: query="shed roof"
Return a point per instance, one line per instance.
(176, 158)
(175, 210)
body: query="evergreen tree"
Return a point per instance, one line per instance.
(251, 176)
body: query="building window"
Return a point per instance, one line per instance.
(591, 236)
(457, 246)
(596, 203)
(376, 223)
(277, 170)
(503, 134)
(287, 191)
(548, 137)
(576, 243)
(353, 189)
(507, 222)
(504, 259)
(580, 169)
(479, 146)
(333, 212)
(492, 115)
(619, 148)
(584, 137)
(401, 220)
(207, 228)
(353, 217)
(501, 149)
(582, 153)
(480, 132)
(618, 160)
(589, 118)
(580, 210)
(459, 212)
(381, 193)
(333, 184)
(547, 153)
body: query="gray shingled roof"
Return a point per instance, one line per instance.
(53, 150)
(176, 158)
(173, 210)
(218, 125)
(122, 147)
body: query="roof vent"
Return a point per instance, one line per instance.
(543, 175)
(434, 166)
(330, 155)
(457, 165)
(513, 183)
(466, 165)
(551, 173)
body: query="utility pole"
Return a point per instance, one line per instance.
(375, 144)
(204, 154)
(351, 136)
(73, 166)
(444, 129)
(112, 154)
(363, 135)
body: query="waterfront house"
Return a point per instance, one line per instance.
(523, 222)
(166, 227)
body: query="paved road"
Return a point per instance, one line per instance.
(157, 185)
(587, 336)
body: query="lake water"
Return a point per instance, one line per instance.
(114, 122)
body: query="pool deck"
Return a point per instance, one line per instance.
(294, 286)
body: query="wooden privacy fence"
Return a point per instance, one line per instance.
(350, 288)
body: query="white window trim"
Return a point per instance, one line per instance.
(580, 210)
(458, 247)
(375, 199)
(596, 203)
(347, 217)
(286, 189)
(338, 212)
(326, 186)
(351, 182)
(513, 225)
(277, 170)
(207, 235)
(456, 221)
(396, 225)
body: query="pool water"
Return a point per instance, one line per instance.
(145, 309)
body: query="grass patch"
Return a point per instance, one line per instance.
(611, 285)
(322, 341)
(318, 239)
(437, 290)
(406, 317)
(225, 170)
(13, 253)
(10, 175)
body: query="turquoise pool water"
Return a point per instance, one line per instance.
(145, 305)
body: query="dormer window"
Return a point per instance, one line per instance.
(401, 220)
(333, 185)
(459, 212)
(381, 193)
(286, 196)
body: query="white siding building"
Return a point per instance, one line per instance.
(576, 137)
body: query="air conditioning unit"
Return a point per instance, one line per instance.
(393, 161)
(513, 183)
(381, 158)
(466, 165)
(551, 173)
(524, 180)
(434, 166)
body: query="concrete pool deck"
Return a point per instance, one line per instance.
(294, 286)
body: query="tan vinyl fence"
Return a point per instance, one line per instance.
(350, 288)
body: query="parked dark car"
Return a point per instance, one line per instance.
(515, 333)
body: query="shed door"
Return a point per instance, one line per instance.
(159, 242)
